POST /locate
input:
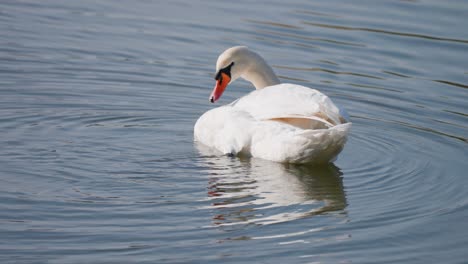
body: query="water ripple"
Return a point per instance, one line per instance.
(98, 103)
(327, 71)
(414, 35)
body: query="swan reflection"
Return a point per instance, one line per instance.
(254, 191)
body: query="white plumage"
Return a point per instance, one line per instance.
(278, 122)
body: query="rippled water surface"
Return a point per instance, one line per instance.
(97, 161)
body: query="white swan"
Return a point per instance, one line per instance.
(278, 122)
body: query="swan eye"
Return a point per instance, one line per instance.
(225, 70)
(218, 75)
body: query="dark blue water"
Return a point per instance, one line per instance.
(98, 164)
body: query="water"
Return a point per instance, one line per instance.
(97, 159)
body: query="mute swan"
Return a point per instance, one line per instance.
(279, 122)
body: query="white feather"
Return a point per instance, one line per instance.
(281, 122)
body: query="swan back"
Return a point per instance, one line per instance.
(289, 101)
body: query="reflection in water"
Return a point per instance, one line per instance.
(254, 191)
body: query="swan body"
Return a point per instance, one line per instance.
(279, 122)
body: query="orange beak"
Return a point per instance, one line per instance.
(220, 86)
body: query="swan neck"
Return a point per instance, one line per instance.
(260, 74)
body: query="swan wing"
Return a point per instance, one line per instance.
(289, 100)
(285, 143)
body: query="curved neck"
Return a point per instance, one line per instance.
(260, 74)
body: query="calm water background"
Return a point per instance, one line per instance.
(98, 164)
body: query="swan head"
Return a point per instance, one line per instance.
(229, 67)
(238, 62)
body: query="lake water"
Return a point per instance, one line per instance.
(97, 161)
